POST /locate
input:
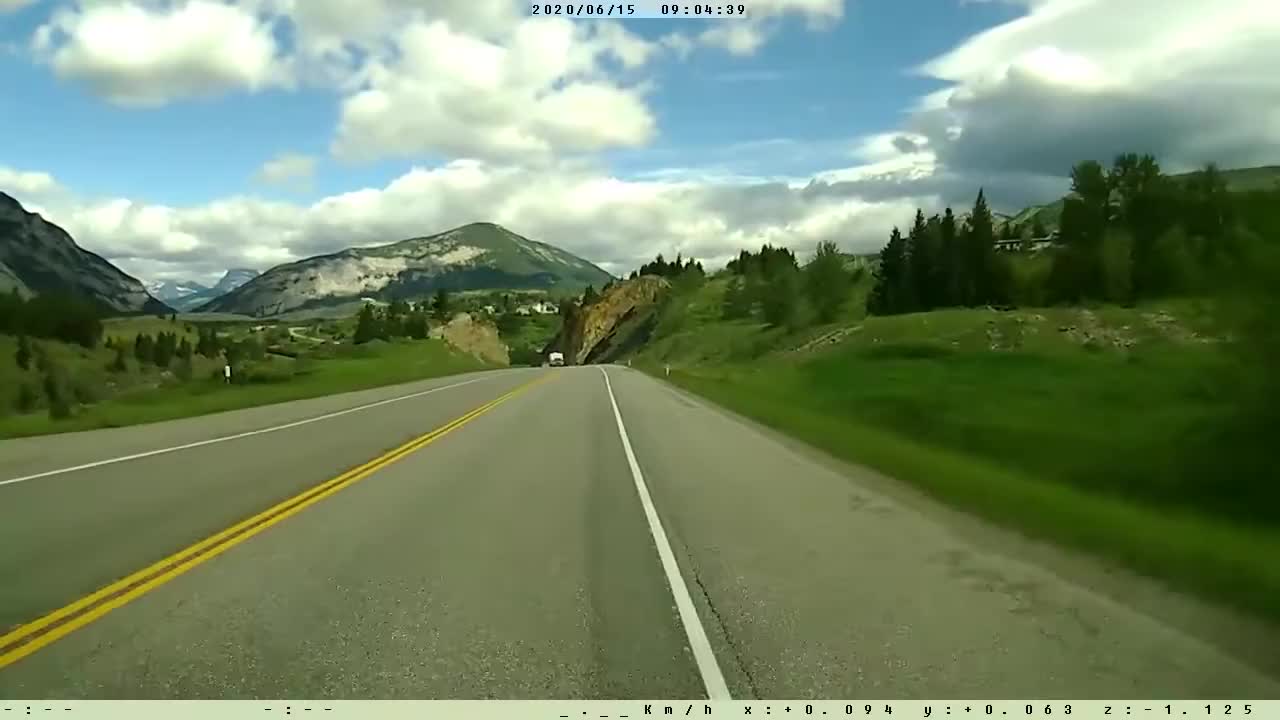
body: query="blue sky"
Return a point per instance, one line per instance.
(179, 137)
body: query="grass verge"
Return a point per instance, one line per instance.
(1213, 556)
(277, 380)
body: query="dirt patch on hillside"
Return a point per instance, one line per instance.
(475, 337)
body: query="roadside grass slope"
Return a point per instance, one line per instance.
(143, 393)
(1068, 424)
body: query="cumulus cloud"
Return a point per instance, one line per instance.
(614, 222)
(1185, 80)
(287, 168)
(141, 54)
(541, 93)
(27, 183)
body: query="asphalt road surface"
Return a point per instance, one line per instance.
(587, 535)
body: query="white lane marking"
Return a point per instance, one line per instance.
(237, 436)
(712, 678)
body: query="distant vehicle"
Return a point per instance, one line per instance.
(557, 359)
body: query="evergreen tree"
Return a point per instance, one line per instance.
(590, 296)
(951, 258)
(892, 291)
(144, 348)
(827, 282)
(23, 356)
(781, 301)
(415, 325)
(165, 347)
(185, 351)
(923, 261)
(441, 305)
(980, 250)
(366, 325)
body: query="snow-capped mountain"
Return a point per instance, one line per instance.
(187, 295)
(471, 257)
(233, 279)
(169, 290)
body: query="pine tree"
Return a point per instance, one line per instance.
(922, 259)
(1037, 228)
(891, 293)
(440, 307)
(144, 348)
(590, 296)
(366, 326)
(416, 324)
(980, 251)
(827, 282)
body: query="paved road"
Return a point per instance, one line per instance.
(513, 557)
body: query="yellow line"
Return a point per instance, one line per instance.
(93, 606)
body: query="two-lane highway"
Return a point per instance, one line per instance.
(541, 533)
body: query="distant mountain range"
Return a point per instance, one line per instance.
(37, 256)
(479, 256)
(187, 295)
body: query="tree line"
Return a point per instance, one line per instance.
(773, 284)
(1127, 233)
(51, 316)
(399, 319)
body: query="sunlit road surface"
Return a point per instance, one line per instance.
(541, 533)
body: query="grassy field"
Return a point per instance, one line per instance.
(1067, 424)
(147, 394)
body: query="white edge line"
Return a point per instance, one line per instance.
(712, 678)
(237, 436)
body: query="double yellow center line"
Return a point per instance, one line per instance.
(29, 638)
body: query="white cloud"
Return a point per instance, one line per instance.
(135, 53)
(541, 93)
(614, 222)
(287, 168)
(21, 183)
(1186, 80)
(11, 5)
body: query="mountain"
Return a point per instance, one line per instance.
(41, 257)
(233, 279)
(479, 256)
(187, 295)
(172, 290)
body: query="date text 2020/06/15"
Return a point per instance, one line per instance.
(639, 10)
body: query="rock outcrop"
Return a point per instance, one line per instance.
(475, 337)
(618, 321)
(37, 256)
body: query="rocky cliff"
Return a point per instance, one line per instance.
(617, 322)
(40, 257)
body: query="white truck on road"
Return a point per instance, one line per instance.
(556, 359)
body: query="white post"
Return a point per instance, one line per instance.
(226, 372)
